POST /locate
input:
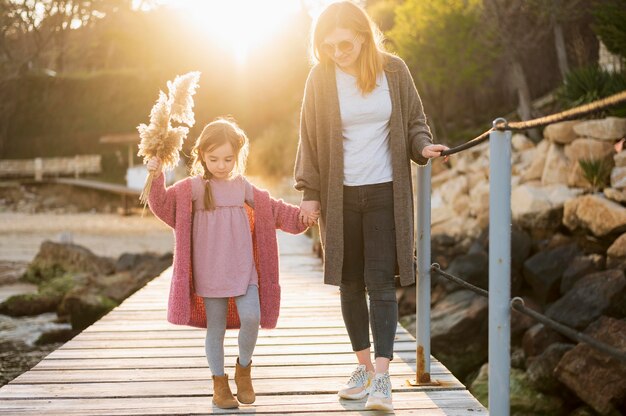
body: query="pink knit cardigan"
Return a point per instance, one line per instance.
(174, 207)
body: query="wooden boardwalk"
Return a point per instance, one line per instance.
(133, 362)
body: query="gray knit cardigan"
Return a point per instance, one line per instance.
(318, 170)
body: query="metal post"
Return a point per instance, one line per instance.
(422, 282)
(499, 270)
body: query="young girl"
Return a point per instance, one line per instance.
(226, 255)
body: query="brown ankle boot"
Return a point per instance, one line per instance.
(222, 396)
(245, 392)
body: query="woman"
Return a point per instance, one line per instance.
(362, 123)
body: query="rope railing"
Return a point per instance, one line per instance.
(570, 114)
(517, 304)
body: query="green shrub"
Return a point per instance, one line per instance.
(597, 172)
(591, 83)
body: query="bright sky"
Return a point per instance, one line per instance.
(238, 25)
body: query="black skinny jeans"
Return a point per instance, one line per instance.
(369, 263)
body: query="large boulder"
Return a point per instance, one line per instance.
(587, 150)
(54, 259)
(540, 369)
(556, 169)
(462, 315)
(597, 294)
(618, 178)
(535, 207)
(579, 267)
(596, 214)
(595, 377)
(472, 268)
(535, 170)
(616, 254)
(538, 338)
(524, 399)
(610, 128)
(86, 305)
(562, 132)
(544, 270)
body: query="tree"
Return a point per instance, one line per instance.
(438, 41)
(514, 27)
(610, 18)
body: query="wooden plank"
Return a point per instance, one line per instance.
(422, 403)
(159, 352)
(166, 388)
(398, 369)
(200, 361)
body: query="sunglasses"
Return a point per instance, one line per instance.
(344, 46)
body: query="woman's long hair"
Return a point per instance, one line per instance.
(218, 132)
(347, 15)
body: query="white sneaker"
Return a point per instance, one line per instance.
(380, 394)
(358, 385)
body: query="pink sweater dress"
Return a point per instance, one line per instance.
(222, 257)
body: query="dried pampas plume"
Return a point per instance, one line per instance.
(160, 138)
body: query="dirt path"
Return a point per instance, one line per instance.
(104, 234)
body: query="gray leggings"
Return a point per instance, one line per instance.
(249, 315)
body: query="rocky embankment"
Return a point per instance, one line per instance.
(568, 262)
(71, 288)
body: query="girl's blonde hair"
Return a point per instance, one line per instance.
(347, 15)
(218, 132)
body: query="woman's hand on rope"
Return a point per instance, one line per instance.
(154, 165)
(309, 212)
(434, 150)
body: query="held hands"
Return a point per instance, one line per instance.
(309, 212)
(434, 150)
(154, 165)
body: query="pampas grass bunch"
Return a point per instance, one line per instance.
(160, 138)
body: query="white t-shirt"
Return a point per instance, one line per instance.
(365, 126)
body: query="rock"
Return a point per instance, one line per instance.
(540, 369)
(440, 178)
(540, 207)
(460, 204)
(595, 213)
(556, 169)
(538, 338)
(406, 300)
(603, 386)
(589, 149)
(562, 132)
(479, 199)
(518, 359)
(524, 400)
(85, 306)
(535, 171)
(544, 270)
(616, 254)
(602, 293)
(520, 142)
(47, 299)
(29, 304)
(617, 195)
(54, 259)
(580, 266)
(453, 188)
(472, 268)
(610, 128)
(55, 336)
(521, 323)
(620, 159)
(462, 315)
(521, 245)
(618, 178)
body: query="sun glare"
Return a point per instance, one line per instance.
(237, 25)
